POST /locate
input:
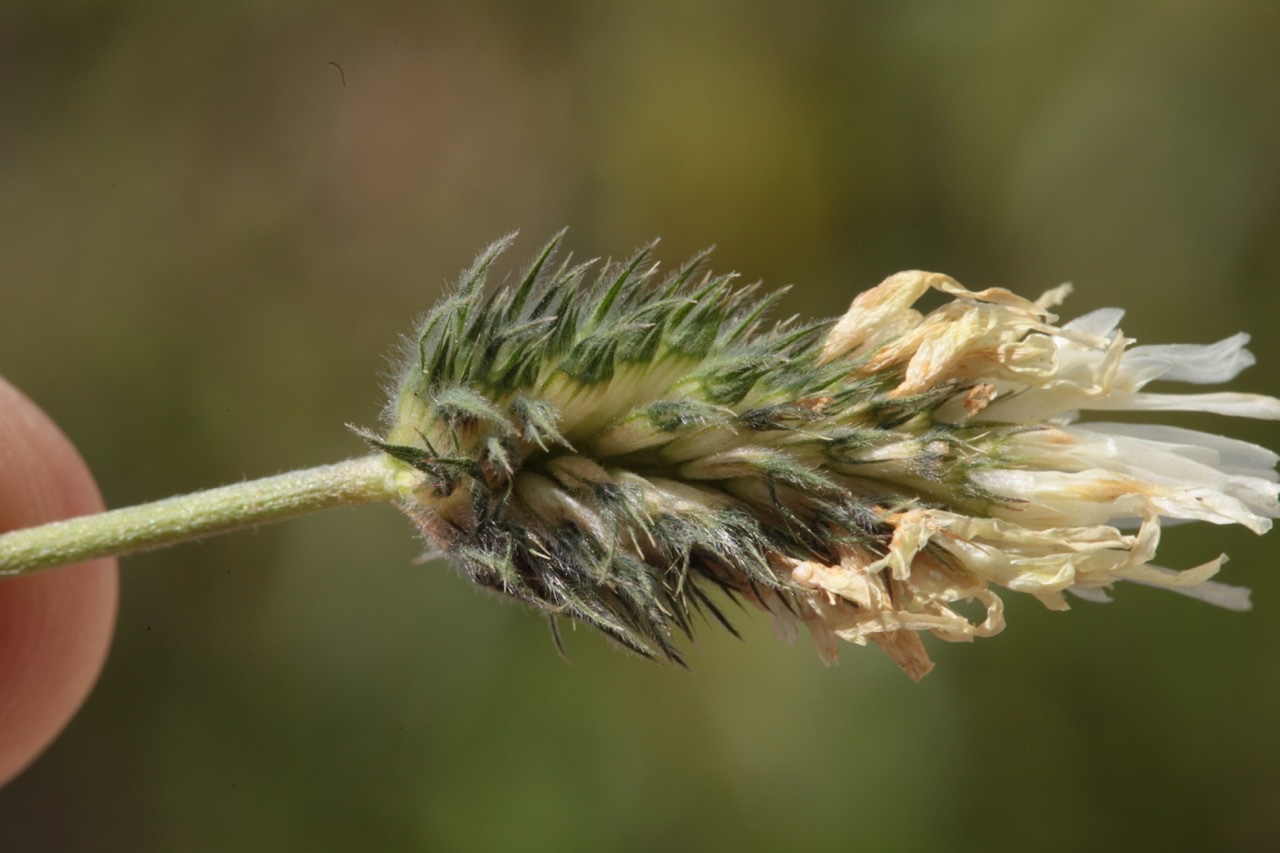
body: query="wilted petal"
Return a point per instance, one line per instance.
(878, 314)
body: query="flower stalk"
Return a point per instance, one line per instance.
(627, 450)
(367, 479)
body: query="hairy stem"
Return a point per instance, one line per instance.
(368, 479)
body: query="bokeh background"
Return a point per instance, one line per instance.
(216, 217)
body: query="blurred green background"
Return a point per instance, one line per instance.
(215, 219)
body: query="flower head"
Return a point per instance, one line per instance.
(612, 445)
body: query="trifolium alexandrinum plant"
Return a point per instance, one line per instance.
(629, 449)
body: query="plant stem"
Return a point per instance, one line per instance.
(368, 479)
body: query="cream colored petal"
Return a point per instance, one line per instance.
(1054, 297)
(878, 314)
(906, 649)
(1195, 583)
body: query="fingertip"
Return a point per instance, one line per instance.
(55, 626)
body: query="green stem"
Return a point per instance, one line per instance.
(368, 479)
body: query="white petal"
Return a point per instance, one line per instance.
(1220, 403)
(1211, 592)
(1233, 455)
(1192, 462)
(1046, 499)
(1199, 364)
(1100, 497)
(1102, 322)
(1194, 583)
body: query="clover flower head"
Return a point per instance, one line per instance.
(614, 445)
